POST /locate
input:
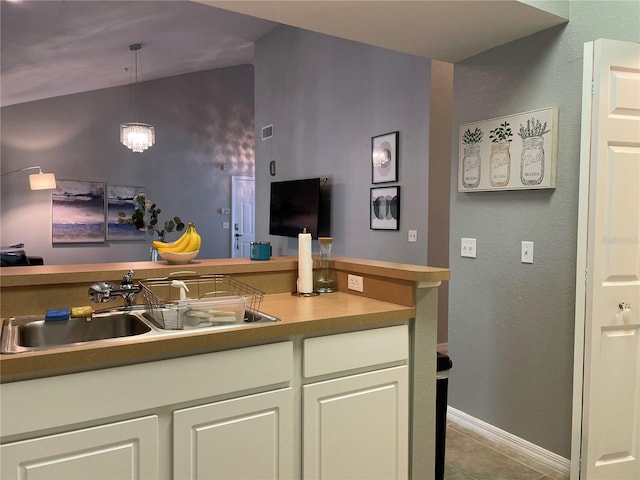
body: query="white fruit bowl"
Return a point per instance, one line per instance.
(178, 258)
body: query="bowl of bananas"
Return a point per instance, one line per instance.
(178, 258)
(183, 250)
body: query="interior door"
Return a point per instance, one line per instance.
(243, 199)
(608, 299)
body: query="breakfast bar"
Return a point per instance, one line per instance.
(333, 354)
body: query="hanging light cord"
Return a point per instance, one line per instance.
(136, 136)
(133, 78)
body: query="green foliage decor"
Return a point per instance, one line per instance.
(502, 133)
(472, 138)
(533, 129)
(139, 219)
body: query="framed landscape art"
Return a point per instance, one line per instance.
(77, 212)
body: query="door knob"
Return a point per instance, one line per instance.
(624, 306)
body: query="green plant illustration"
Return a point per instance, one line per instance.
(502, 133)
(533, 129)
(472, 138)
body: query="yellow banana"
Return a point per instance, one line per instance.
(180, 243)
(159, 244)
(179, 246)
(194, 241)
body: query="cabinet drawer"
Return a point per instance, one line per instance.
(147, 385)
(348, 351)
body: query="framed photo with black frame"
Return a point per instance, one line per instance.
(384, 158)
(385, 208)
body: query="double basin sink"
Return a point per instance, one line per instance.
(32, 333)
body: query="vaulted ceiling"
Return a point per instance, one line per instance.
(58, 47)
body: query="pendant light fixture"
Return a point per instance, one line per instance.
(136, 136)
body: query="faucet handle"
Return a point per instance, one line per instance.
(128, 278)
(100, 292)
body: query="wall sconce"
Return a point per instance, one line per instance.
(135, 135)
(38, 181)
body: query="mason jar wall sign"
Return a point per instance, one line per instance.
(471, 160)
(509, 153)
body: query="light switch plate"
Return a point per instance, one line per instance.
(468, 247)
(527, 252)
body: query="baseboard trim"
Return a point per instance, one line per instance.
(545, 457)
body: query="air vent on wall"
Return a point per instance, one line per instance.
(267, 132)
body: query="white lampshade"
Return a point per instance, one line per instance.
(42, 181)
(137, 136)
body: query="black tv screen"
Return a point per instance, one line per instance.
(299, 204)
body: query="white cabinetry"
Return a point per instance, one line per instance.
(123, 450)
(356, 426)
(243, 438)
(235, 414)
(39, 417)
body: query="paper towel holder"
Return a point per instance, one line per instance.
(297, 292)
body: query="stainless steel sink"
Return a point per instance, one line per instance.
(31, 333)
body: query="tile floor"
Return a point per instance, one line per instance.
(470, 456)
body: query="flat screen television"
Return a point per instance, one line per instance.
(299, 204)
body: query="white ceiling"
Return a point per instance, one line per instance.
(52, 47)
(447, 30)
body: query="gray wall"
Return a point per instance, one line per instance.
(511, 325)
(326, 98)
(203, 121)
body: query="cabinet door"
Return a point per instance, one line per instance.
(357, 427)
(244, 438)
(124, 450)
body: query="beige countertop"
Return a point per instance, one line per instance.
(388, 297)
(299, 315)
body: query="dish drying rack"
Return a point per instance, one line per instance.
(207, 294)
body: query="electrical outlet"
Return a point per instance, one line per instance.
(413, 236)
(527, 252)
(468, 247)
(355, 282)
(225, 225)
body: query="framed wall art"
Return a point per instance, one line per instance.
(385, 208)
(120, 199)
(77, 212)
(384, 158)
(515, 152)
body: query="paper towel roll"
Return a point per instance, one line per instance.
(305, 263)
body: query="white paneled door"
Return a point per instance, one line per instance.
(246, 438)
(356, 427)
(125, 450)
(243, 199)
(609, 251)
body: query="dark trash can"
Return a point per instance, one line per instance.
(444, 364)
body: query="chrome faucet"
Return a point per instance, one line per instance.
(101, 292)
